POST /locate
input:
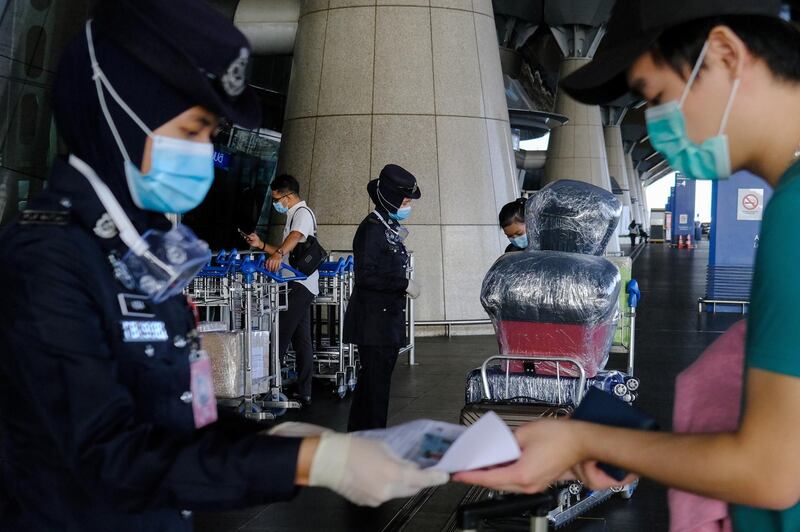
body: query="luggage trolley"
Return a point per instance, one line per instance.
(522, 397)
(333, 359)
(410, 349)
(245, 300)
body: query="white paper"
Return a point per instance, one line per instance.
(451, 448)
(488, 442)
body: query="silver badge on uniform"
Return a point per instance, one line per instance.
(135, 305)
(233, 81)
(105, 227)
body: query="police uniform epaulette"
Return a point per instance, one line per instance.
(44, 217)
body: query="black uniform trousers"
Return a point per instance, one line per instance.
(370, 406)
(295, 325)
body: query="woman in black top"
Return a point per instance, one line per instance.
(512, 221)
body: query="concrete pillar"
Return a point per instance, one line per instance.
(645, 205)
(418, 84)
(635, 189)
(577, 149)
(617, 167)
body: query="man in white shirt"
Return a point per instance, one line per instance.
(295, 323)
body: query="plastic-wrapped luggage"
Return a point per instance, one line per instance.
(225, 350)
(551, 303)
(572, 216)
(559, 297)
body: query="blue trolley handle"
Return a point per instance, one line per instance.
(634, 294)
(276, 276)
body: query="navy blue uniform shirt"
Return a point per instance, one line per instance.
(376, 311)
(96, 425)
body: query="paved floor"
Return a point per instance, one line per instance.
(670, 335)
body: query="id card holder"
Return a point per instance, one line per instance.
(204, 403)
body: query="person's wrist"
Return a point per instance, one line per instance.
(580, 434)
(305, 458)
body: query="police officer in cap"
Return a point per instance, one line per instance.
(375, 320)
(108, 417)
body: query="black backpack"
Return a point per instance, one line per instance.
(308, 256)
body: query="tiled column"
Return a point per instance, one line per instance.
(577, 149)
(617, 168)
(417, 83)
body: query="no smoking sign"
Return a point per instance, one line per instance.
(751, 204)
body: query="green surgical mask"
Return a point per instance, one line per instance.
(666, 125)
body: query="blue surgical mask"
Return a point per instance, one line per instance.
(401, 214)
(278, 206)
(520, 241)
(666, 125)
(181, 171)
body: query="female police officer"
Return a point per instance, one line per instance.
(107, 415)
(375, 319)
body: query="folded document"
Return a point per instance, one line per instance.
(451, 448)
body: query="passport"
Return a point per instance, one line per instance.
(603, 408)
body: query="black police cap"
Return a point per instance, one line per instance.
(634, 28)
(397, 179)
(190, 46)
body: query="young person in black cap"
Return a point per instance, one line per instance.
(375, 320)
(108, 415)
(722, 80)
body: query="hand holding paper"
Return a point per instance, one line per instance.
(451, 448)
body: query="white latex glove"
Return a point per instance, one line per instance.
(413, 289)
(367, 472)
(296, 429)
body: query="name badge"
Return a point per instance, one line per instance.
(144, 331)
(204, 402)
(135, 305)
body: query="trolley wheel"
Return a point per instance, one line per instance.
(627, 493)
(620, 390)
(350, 378)
(575, 488)
(279, 411)
(340, 388)
(632, 384)
(628, 397)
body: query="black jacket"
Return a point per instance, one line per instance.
(98, 434)
(376, 311)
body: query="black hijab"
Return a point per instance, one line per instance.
(83, 127)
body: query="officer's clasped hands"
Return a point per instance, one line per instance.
(413, 289)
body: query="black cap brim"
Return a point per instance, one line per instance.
(604, 79)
